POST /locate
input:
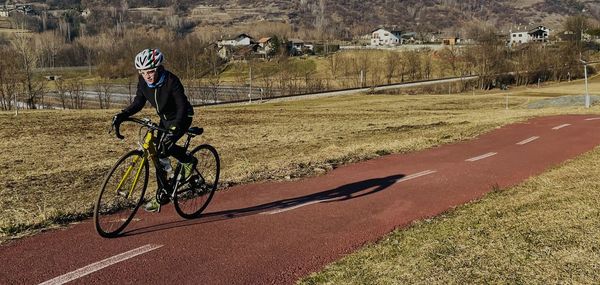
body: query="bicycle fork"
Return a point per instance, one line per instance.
(128, 172)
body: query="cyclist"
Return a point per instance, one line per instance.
(165, 93)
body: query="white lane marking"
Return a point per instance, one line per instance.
(405, 178)
(561, 126)
(101, 264)
(481, 156)
(416, 175)
(528, 140)
(295, 207)
(592, 119)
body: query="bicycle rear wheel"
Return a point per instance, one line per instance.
(193, 196)
(121, 194)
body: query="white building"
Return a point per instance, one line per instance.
(537, 34)
(240, 40)
(385, 37)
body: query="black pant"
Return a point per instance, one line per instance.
(167, 146)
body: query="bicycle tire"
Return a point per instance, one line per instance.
(114, 210)
(195, 195)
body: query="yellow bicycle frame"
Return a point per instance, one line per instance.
(149, 153)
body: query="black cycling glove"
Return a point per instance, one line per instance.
(119, 118)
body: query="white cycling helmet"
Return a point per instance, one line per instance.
(149, 58)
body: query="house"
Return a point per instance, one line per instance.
(25, 9)
(224, 52)
(296, 44)
(450, 41)
(86, 13)
(537, 34)
(239, 40)
(386, 37)
(299, 47)
(237, 52)
(265, 46)
(243, 52)
(410, 37)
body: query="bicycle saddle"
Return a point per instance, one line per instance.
(195, 131)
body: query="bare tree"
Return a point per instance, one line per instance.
(450, 58)
(577, 25)
(75, 89)
(267, 81)
(130, 86)
(103, 89)
(427, 65)
(61, 90)
(414, 65)
(28, 56)
(8, 80)
(214, 82)
(488, 58)
(50, 43)
(391, 65)
(106, 88)
(321, 20)
(89, 45)
(332, 63)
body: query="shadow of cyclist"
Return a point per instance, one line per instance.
(341, 193)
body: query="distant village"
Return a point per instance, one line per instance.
(7, 9)
(244, 46)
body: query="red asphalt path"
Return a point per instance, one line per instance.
(277, 232)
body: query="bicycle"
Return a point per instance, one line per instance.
(124, 186)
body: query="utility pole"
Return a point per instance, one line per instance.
(16, 106)
(250, 93)
(587, 93)
(362, 75)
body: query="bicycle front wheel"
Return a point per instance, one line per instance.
(121, 194)
(193, 196)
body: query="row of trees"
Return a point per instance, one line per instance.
(195, 60)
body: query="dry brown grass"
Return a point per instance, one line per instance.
(52, 162)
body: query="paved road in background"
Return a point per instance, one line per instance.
(277, 232)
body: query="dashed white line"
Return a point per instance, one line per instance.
(561, 126)
(416, 175)
(405, 178)
(295, 207)
(481, 156)
(101, 264)
(526, 141)
(592, 119)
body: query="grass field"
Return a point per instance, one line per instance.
(52, 163)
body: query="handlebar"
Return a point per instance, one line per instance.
(145, 122)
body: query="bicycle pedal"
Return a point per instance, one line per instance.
(163, 197)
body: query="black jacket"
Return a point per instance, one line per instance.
(169, 100)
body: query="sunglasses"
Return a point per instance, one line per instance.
(147, 72)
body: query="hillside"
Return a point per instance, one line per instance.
(344, 18)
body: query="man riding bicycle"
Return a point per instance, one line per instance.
(165, 93)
